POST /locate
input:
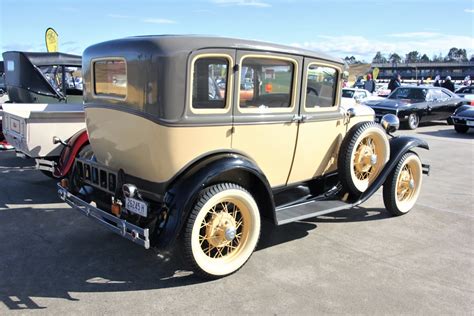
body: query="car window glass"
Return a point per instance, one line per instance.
(266, 83)
(321, 86)
(347, 93)
(110, 78)
(409, 93)
(210, 83)
(445, 96)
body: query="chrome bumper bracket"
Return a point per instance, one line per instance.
(46, 165)
(119, 226)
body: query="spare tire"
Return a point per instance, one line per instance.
(363, 154)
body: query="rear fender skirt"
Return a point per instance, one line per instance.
(69, 153)
(398, 147)
(183, 192)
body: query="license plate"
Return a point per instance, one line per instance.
(136, 206)
(15, 125)
(470, 123)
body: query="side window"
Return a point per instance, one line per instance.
(446, 96)
(210, 83)
(110, 78)
(321, 87)
(266, 83)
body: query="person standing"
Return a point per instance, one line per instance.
(394, 82)
(436, 83)
(369, 84)
(448, 84)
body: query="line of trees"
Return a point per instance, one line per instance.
(454, 55)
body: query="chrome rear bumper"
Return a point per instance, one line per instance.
(119, 226)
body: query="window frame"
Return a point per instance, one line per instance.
(229, 84)
(304, 86)
(107, 96)
(293, 90)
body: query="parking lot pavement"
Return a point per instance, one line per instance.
(55, 260)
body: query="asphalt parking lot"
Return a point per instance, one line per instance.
(54, 260)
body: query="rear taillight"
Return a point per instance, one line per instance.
(472, 103)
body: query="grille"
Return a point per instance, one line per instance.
(96, 175)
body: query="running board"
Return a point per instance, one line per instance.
(309, 209)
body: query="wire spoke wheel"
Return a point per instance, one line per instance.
(222, 230)
(362, 156)
(402, 187)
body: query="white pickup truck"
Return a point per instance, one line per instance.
(30, 128)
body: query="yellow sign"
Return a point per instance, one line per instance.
(376, 73)
(51, 38)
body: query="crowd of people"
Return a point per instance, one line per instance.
(396, 81)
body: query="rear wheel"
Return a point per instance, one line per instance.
(413, 121)
(222, 230)
(402, 187)
(74, 185)
(462, 129)
(362, 156)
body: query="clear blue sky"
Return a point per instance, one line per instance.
(340, 27)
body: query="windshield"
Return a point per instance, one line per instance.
(53, 74)
(347, 93)
(409, 93)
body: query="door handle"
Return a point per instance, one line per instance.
(298, 118)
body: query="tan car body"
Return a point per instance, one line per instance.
(156, 148)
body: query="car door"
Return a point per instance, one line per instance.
(322, 127)
(450, 103)
(265, 107)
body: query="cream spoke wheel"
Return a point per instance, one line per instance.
(222, 230)
(402, 187)
(362, 156)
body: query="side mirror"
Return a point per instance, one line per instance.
(390, 123)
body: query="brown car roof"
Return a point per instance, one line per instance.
(170, 44)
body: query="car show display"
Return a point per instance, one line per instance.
(463, 118)
(45, 108)
(415, 104)
(195, 140)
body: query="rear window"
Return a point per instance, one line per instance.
(110, 78)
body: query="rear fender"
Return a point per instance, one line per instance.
(223, 167)
(69, 153)
(398, 147)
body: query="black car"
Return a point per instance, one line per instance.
(415, 104)
(463, 118)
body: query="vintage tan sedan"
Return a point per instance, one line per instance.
(196, 139)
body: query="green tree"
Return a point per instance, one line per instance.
(379, 58)
(412, 57)
(425, 59)
(395, 58)
(456, 54)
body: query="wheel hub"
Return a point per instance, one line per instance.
(221, 229)
(365, 159)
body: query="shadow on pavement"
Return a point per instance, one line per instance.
(54, 252)
(450, 133)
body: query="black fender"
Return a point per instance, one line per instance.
(222, 167)
(398, 147)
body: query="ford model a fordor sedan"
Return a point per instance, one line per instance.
(196, 139)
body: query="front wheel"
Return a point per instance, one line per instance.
(222, 230)
(402, 187)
